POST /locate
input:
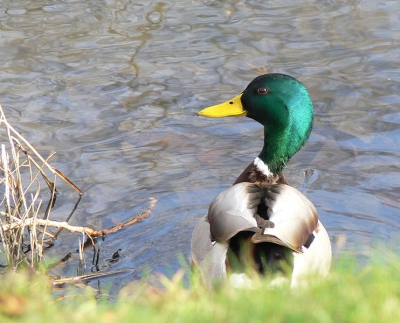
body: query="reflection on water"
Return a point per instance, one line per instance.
(114, 87)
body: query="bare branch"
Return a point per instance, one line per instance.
(18, 223)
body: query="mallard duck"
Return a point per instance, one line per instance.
(261, 221)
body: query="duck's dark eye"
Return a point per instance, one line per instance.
(262, 90)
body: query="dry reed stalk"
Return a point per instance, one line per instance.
(22, 202)
(11, 129)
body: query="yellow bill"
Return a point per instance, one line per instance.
(230, 108)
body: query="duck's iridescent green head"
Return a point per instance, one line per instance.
(283, 106)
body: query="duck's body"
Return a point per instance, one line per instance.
(260, 221)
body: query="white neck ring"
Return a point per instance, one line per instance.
(262, 167)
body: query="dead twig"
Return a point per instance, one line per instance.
(138, 218)
(82, 278)
(18, 223)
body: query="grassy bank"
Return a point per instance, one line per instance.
(351, 293)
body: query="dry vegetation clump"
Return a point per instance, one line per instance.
(28, 186)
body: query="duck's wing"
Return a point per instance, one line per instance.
(293, 218)
(230, 212)
(234, 210)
